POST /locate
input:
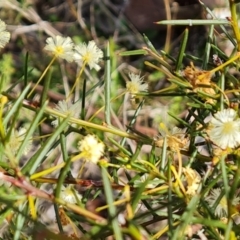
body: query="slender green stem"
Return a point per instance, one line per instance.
(58, 218)
(92, 125)
(192, 22)
(44, 94)
(83, 110)
(42, 76)
(52, 169)
(111, 207)
(234, 22)
(231, 60)
(107, 92)
(77, 79)
(170, 199)
(224, 176)
(182, 50)
(222, 82)
(158, 57)
(101, 109)
(208, 47)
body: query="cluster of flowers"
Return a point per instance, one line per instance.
(89, 54)
(63, 47)
(223, 130)
(86, 54)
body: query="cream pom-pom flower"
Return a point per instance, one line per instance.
(70, 195)
(61, 47)
(16, 139)
(222, 208)
(88, 54)
(224, 129)
(91, 149)
(66, 107)
(136, 84)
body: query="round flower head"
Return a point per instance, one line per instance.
(16, 140)
(66, 108)
(70, 195)
(61, 47)
(4, 35)
(225, 129)
(136, 84)
(89, 54)
(222, 208)
(91, 149)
